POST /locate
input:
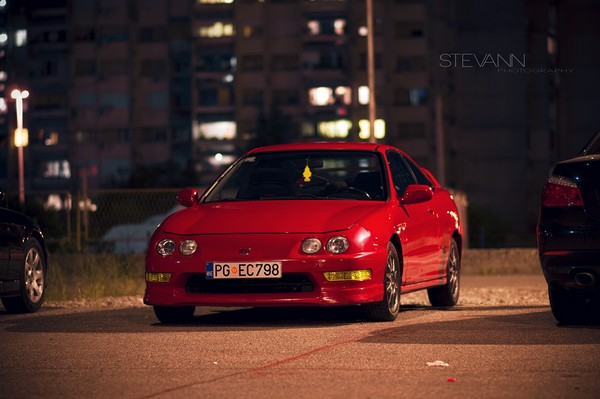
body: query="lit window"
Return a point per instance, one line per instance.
(3, 107)
(20, 37)
(57, 169)
(314, 28)
(365, 131)
(221, 159)
(338, 129)
(216, 30)
(222, 130)
(323, 96)
(320, 96)
(363, 95)
(339, 26)
(51, 139)
(56, 203)
(215, 1)
(2, 76)
(343, 95)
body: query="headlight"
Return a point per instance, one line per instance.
(165, 247)
(337, 245)
(187, 247)
(311, 246)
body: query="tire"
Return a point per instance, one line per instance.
(567, 307)
(174, 314)
(32, 281)
(388, 308)
(447, 294)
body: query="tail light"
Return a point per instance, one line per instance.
(560, 191)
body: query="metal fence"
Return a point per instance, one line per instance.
(118, 221)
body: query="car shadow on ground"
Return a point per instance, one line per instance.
(142, 319)
(534, 327)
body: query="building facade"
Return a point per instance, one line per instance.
(166, 93)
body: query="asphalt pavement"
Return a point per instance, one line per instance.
(500, 342)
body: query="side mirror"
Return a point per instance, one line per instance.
(187, 197)
(416, 193)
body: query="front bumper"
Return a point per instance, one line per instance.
(188, 286)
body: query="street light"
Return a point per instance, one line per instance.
(21, 138)
(371, 70)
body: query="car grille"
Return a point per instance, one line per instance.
(288, 283)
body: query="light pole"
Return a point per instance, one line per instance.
(21, 138)
(371, 70)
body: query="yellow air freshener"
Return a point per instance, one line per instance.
(307, 174)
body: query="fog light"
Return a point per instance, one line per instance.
(158, 277)
(349, 275)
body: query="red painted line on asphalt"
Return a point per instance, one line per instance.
(256, 370)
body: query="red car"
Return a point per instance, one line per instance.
(308, 224)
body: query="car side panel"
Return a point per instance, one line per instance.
(12, 232)
(420, 242)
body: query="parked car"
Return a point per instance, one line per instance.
(23, 262)
(308, 224)
(568, 236)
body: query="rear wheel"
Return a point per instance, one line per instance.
(174, 314)
(32, 281)
(572, 307)
(388, 308)
(447, 294)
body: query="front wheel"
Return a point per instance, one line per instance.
(174, 314)
(447, 294)
(32, 281)
(388, 308)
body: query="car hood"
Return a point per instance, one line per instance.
(13, 217)
(296, 216)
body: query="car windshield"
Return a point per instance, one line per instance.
(593, 147)
(302, 175)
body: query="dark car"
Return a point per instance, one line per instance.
(23, 262)
(568, 235)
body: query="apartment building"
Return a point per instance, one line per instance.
(169, 92)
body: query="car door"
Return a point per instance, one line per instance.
(437, 206)
(8, 240)
(419, 236)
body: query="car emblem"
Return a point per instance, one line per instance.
(245, 251)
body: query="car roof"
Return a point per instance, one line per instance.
(320, 146)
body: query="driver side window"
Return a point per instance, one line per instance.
(401, 175)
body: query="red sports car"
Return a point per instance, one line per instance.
(308, 224)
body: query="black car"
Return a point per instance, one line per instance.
(23, 262)
(568, 236)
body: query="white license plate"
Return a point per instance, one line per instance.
(219, 270)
